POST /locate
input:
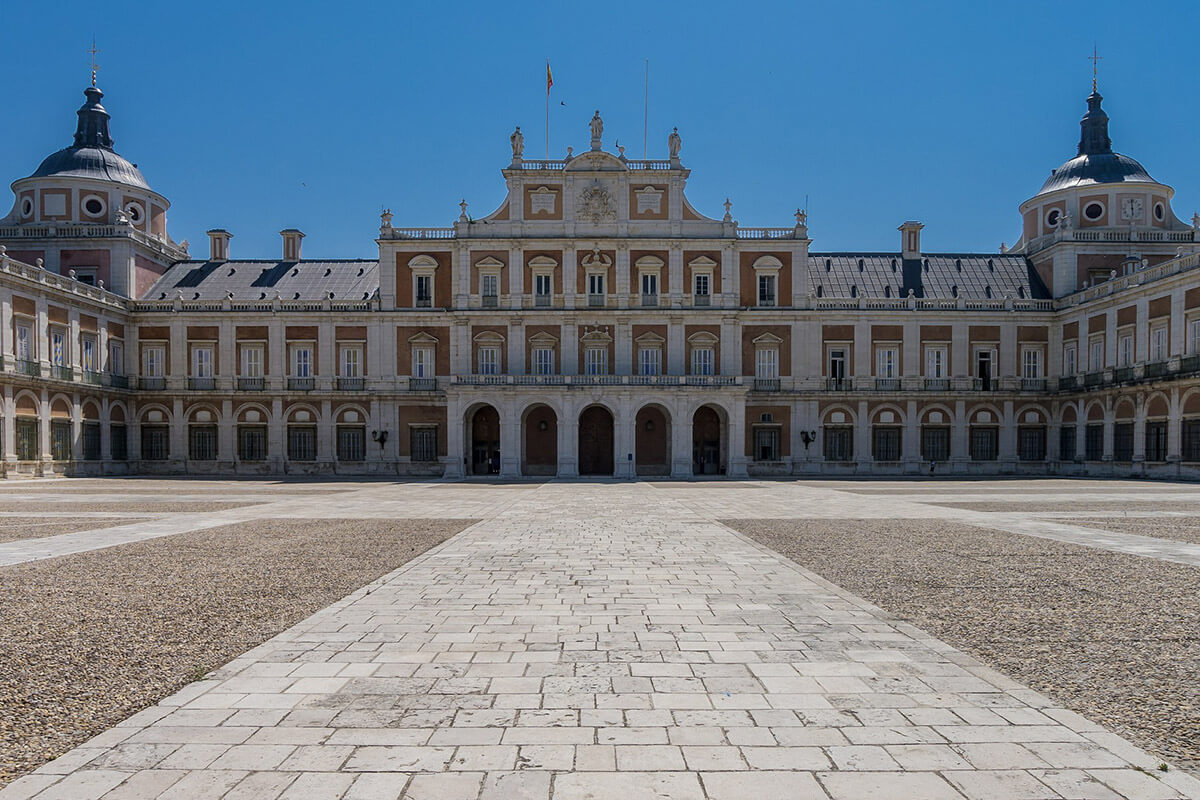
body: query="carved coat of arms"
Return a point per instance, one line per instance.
(596, 204)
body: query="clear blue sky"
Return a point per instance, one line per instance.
(257, 116)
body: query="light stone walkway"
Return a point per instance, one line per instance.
(603, 641)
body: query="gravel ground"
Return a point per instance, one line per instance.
(165, 506)
(14, 528)
(88, 639)
(174, 486)
(1081, 506)
(1182, 529)
(1113, 636)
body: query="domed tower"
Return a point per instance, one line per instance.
(1098, 213)
(89, 210)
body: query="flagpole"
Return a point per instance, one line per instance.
(547, 110)
(646, 112)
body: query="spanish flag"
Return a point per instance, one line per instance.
(549, 77)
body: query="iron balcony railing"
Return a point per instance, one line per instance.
(202, 384)
(701, 300)
(649, 300)
(92, 377)
(541, 301)
(1155, 369)
(887, 384)
(1123, 374)
(351, 384)
(118, 381)
(490, 301)
(301, 384)
(422, 384)
(1093, 379)
(937, 384)
(837, 384)
(766, 384)
(152, 383)
(1033, 384)
(251, 384)
(1068, 383)
(27, 367)
(595, 300)
(62, 373)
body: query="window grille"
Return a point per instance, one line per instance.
(351, 443)
(1093, 444)
(202, 442)
(1156, 441)
(27, 440)
(1067, 443)
(766, 290)
(155, 442)
(119, 442)
(766, 444)
(60, 440)
(302, 443)
(1123, 441)
(839, 443)
(422, 444)
(1191, 440)
(935, 443)
(252, 442)
(91, 441)
(885, 443)
(1031, 443)
(985, 443)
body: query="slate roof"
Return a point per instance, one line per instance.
(1086, 170)
(349, 281)
(91, 162)
(934, 275)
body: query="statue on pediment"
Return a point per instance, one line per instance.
(597, 128)
(674, 144)
(517, 140)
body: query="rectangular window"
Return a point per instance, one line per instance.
(1194, 337)
(1031, 364)
(24, 343)
(116, 357)
(351, 443)
(202, 442)
(837, 366)
(649, 288)
(252, 442)
(595, 283)
(28, 444)
(58, 348)
(766, 290)
(1031, 443)
(766, 444)
(985, 360)
(885, 362)
(1123, 441)
(424, 291)
(542, 286)
(1093, 442)
(1191, 440)
(302, 361)
(596, 361)
(1158, 344)
(489, 361)
(91, 441)
(1070, 366)
(1066, 442)
(701, 285)
(1125, 350)
(87, 355)
(422, 362)
(885, 443)
(543, 361)
(839, 443)
(766, 363)
(935, 362)
(985, 443)
(422, 444)
(252, 361)
(489, 286)
(153, 361)
(156, 441)
(119, 442)
(649, 361)
(935, 442)
(1096, 354)
(1156, 441)
(702, 361)
(351, 361)
(202, 362)
(302, 443)
(60, 440)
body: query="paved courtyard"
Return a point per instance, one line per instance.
(609, 640)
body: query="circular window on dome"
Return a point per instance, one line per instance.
(93, 205)
(26, 207)
(1094, 211)
(1052, 218)
(135, 213)
(1160, 212)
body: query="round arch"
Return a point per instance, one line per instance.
(482, 439)
(539, 439)
(710, 439)
(597, 440)
(652, 440)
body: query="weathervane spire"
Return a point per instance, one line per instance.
(1095, 58)
(93, 53)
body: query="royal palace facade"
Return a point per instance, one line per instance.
(596, 323)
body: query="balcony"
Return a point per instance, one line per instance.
(837, 384)
(702, 300)
(62, 373)
(766, 385)
(983, 384)
(202, 384)
(650, 301)
(26, 367)
(251, 384)
(595, 300)
(489, 301)
(92, 377)
(541, 301)
(1155, 369)
(1033, 384)
(424, 302)
(887, 384)
(301, 384)
(766, 302)
(1093, 379)
(153, 383)
(422, 384)
(1068, 383)
(351, 384)
(1189, 364)
(118, 381)
(1123, 374)
(567, 381)
(937, 384)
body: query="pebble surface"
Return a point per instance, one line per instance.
(90, 638)
(14, 528)
(1113, 636)
(1181, 529)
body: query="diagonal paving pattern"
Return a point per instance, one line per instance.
(603, 641)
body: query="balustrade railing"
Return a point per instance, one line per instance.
(251, 384)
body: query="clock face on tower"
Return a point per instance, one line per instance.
(1131, 208)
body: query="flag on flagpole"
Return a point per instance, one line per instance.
(549, 78)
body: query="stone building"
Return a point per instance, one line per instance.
(596, 323)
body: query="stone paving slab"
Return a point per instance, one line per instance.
(603, 641)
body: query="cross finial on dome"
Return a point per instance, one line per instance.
(1095, 58)
(95, 67)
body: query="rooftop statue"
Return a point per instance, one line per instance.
(517, 140)
(597, 128)
(674, 144)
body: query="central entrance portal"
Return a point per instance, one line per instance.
(485, 442)
(596, 441)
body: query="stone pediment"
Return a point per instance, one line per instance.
(596, 161)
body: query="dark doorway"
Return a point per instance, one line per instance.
(541, 442)
(596, 441)
(706, 442)
(485, 442)
(652, 454)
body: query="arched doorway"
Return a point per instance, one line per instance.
(652, 441)
(596, 441)
(708, 442)
(539, 441)
(485, 441)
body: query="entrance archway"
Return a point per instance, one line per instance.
(539, 441)
(485, 441)
(596, 441)
(652, 441)
(708, 442)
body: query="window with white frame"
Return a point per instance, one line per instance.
(766, 362)
(1125, 350)
(350, 358)
(423, 290)
(543, 361)
(595, 283)
(422, 361)
(489, 360)
(202, 361)
(766, 288)
(154, 361)
(649, 361)
(1096, 353)
(886, 362)
(596, 361)
(1031, 363)
(1158, 343)
(58, 347)
(701, 284)
(1070, 359)
(116, 357)
(543, 286)
(24, 343)
(1194, 336)
(649, 285)
(489, 286)
(252, 361)
(702, 361)
(87, 354)
(935, 362)
(302, 361)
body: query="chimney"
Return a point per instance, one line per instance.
(218, 244)
(910, 239)
(291, 244)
